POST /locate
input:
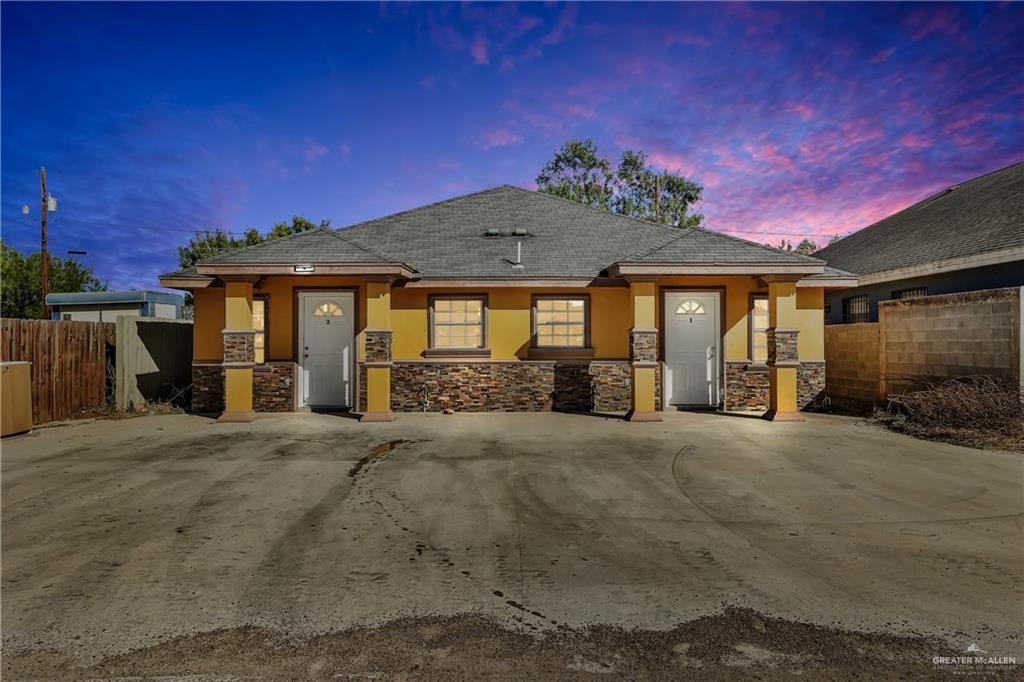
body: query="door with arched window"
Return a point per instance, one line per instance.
(326, 348)
(692, 328)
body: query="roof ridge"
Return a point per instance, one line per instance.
(363, 223)
(334, 233)
(766, 247)
(687, 231)
(262, 243)
(555, 197)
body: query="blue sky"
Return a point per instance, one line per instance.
(799, 119)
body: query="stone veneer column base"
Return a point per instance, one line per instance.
(236, 417)
(774, 416)
(378, 417)
(207, 387)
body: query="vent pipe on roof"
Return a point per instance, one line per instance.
(518, 264)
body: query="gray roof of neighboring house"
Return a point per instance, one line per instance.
(974, 217)
(99, 297)
(564, 239)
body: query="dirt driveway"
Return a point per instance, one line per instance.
(505, 545)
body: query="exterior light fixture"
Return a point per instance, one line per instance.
(304, 267)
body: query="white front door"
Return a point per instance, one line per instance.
(326, 348)
(693, 335)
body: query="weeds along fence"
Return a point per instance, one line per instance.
(69, 363)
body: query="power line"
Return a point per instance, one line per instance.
(91, 223)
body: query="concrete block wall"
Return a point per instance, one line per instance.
(931, 338)
(941, 337)
(853, 361)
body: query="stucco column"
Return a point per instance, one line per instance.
(643, 351)
(239, 352)
(783, 359)
(377, 352)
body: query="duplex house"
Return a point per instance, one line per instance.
(508, 300)
(967, 237)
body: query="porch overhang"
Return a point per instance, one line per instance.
(186, 282)
(829, 281)
(625, 269)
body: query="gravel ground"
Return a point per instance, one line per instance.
(737, 644)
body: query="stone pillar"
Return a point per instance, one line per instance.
(783, 358)
(239, 352)
(377, 352)
(643, 352)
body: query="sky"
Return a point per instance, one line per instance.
(800, 120)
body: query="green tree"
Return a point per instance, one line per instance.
(206, 244)
(579, 173)
(21, 281)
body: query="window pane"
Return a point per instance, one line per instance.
(442, 305)
(258, 313)
(444, 316)
(760, 347)
(259, 340)
(474, 306)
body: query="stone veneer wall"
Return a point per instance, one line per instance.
(273, 387)
(518, 386)
(239, 346)
(810, 384)
(207, 388)
(746, 385)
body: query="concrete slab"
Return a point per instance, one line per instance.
(118, 534)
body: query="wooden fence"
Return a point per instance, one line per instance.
(69, 363)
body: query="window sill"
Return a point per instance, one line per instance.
(457, 353)
(559, 353)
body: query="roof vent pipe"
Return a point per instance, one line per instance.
(518, 264)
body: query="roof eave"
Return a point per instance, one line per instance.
(978, 260)
(625, 269)
(829, 281)
(185, 282)
(302, 269)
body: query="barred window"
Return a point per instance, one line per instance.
(560, 322)
(914, 292)
(457, 322)
(855, 309)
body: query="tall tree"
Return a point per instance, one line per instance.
(21, 281)
(633, 188)
(209, 243)
(806, 247)
(578, 173)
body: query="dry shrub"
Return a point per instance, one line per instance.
(977, 411)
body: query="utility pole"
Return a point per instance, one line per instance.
(657, 198)
(42, 239)
(43, 252)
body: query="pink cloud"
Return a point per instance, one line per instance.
(344, 150)
(915, 141)
(883, 56)
(933, 19)
(314, 151)
(500, 137)
(478, 49)
(803, 110)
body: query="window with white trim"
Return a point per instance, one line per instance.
(759, 329)
(560, 322)
(259, 323)
(457, 322)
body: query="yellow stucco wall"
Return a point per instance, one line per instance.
(208, 324)
(810, 313)
(508, 318)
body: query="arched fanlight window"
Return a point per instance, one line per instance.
(690, 307)
(328, 309)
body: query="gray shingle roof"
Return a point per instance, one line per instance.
(564, 239)
(977, 216)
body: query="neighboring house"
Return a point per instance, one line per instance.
(968, 237)
(507, 300)
(107, 306)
